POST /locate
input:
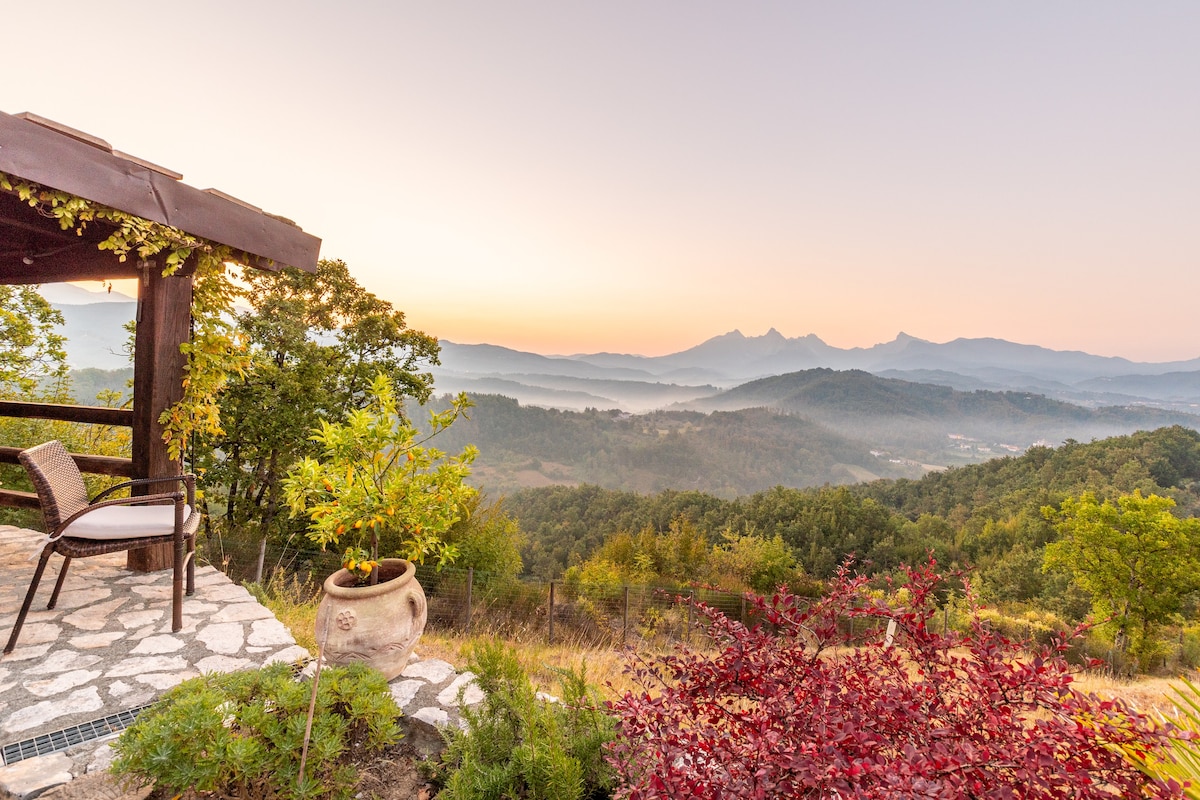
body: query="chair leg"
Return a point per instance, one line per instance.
(177, 587)
(62, 576)
(191, 566)
(37, 577)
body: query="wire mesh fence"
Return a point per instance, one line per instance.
(515, 608)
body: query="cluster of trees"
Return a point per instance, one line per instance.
(1103, 528)
(316, 342)
(33, 368)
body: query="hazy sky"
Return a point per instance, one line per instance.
(639, 176)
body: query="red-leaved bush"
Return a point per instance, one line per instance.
(797, 707)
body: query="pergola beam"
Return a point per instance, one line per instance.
(35, 249)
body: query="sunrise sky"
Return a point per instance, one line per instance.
(639, 176)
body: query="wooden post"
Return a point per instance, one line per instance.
(163, 323)
(470, 585)
(687, 632)
(550, 635)
(262, 560)
(625, 616)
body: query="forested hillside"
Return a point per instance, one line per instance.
(725, 453)
(798, 430)
(986, 516)
(917, 420)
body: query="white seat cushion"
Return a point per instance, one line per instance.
(126, 522)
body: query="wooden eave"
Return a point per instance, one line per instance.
(34, 249)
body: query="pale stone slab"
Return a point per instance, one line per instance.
(403, 692)
(223, 664)
(228, 593)
(190, 624)
(269, 633)
(288, 654)
(140, 619)
(23, 653)
(242, 612)
(23, 719)
(156, 645)
(151, 592)
(472, 694)
(433, 670)
(149, 630)
(78, 598)
(102, 758)
(61, 683)
(63, 661)
(93, 641)
(166, 680)
(143, 664)
(119, 688)
(94, 617)
(31, 777)
(226, 637)
(39, 633)
(140, 579)
(432, 716)
(196, 607)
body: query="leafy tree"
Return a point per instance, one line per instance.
(1133, 555)
(316, 341)
(32, 359)
(754, 562)
(33, 368)
(487, 538)
(377, 475)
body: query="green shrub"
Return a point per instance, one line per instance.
(240, 734)
(518, 745)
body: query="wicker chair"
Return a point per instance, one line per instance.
(79, 527)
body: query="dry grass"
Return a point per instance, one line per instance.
(1148, 695)
(543, 662)
(294, 604)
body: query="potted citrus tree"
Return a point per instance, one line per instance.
(379, 483)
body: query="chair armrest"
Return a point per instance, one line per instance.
(188, 479)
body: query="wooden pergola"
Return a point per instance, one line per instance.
(34, 249)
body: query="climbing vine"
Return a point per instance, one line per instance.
(215, 352)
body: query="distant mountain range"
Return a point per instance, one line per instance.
(605, 380)
(642, 383)
(738, 413)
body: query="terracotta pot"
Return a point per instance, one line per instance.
(377, 624)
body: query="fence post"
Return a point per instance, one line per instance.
(262, 557)
(550, 637)
(470, 584)
(742, 618)
(625, 617)
(687, 633)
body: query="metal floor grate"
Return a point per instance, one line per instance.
(69, 737)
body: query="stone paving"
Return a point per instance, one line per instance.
(108, 648)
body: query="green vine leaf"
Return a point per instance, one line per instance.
(214, 352)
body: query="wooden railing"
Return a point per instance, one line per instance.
(101, 465)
